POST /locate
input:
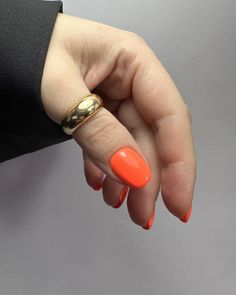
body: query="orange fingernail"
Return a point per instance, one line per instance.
(185, 219)
(97, 187)
(150, 222)
(130, 167)
(122, 197)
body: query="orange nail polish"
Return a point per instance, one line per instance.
(122, 197)
(185, 219)
(130, 167)
(150, 222)
(97, 187)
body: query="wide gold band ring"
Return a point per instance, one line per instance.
(81, 112)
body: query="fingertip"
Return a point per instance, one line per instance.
(150, 221)
(122, 197)
(97, 187)
(94, 175)
(186, 217)
(177, 189)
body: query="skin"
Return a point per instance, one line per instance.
(142, 109)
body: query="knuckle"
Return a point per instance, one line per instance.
(131, 48)
(135, 38)
(130, 37)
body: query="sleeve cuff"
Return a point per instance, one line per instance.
(26, 28)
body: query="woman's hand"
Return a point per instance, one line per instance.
(142, 110)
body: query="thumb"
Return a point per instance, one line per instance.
(113, 149)
(102, 137)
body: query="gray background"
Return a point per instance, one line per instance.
(57, 236)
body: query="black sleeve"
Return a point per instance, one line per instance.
(25, 31)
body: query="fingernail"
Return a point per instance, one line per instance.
(122, 197)
(130, 167)
(97, 187)
(150, 222)
(185, 219)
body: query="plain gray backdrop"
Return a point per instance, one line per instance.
(58, 237)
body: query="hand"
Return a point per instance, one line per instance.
(142, 109)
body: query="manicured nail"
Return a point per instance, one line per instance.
(185, 219)
(130, 167)
(150, 222)
(97, 187)
(122, 197)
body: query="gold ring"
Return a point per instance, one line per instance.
(81, 112)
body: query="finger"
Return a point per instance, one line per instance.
(94, 176)
(114, 194)
(110, 104)
(159, 102)
(141, 203)
(104, 139)
(161, 105)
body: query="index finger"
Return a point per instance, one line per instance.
(161, 105)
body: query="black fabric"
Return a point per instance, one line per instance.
(25, 31)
